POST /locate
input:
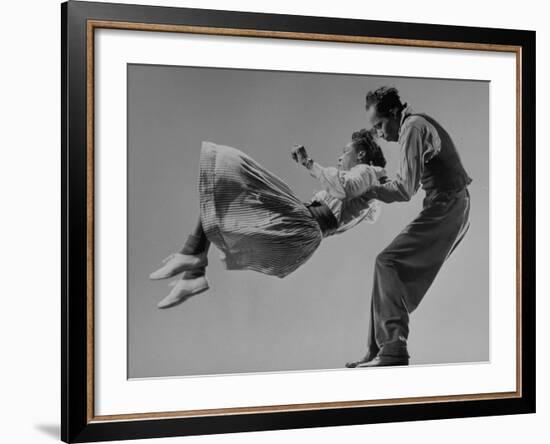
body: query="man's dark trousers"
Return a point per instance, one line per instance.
(407, 267)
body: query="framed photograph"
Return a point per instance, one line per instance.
(275, 221)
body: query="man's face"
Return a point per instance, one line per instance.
(386, 127)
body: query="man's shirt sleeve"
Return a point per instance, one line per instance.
(407, 182)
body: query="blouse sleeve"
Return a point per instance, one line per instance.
(345, 184)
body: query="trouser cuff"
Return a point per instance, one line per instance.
(395, 349)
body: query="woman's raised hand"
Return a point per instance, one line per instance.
(299, 154)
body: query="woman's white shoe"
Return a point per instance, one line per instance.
(177, 263)
(183, 290)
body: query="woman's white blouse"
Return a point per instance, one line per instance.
(343, 190)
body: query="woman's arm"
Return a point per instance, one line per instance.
(345, 184)
(340, 184)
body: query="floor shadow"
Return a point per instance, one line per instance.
(52, 430)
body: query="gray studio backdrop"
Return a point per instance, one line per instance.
(317, 317)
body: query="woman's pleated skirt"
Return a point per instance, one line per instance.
(251, 215)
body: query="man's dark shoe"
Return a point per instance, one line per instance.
(385, 361)
(367, 358)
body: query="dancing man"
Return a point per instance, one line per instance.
(406, 268)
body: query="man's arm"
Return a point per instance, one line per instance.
(403, 188)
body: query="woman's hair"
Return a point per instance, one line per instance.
(385, 100)
(364, 141)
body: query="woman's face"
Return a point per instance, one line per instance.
(350, 157)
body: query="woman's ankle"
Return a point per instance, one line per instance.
(195, 245)
(194, 274)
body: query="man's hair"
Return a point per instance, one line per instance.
(364, 141)
(385, 100)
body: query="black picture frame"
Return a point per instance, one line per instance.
(77, 423)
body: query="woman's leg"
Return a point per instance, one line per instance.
(196, 242)
(193, 281)
(191, 257)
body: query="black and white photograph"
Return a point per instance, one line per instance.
(277, 221)
(294, 221)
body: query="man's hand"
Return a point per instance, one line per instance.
(370, 193)
(299, 154)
